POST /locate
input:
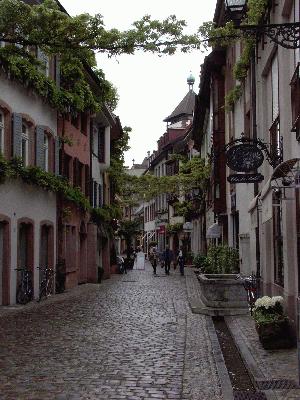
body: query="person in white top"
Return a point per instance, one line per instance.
(180, 260)
(139, 262)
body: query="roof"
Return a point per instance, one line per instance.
(184, 108)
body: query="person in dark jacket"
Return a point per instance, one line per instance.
(167, 256)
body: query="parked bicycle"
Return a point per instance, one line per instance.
(121, 264)
(25, 288)
(47, 283)
(251, 287)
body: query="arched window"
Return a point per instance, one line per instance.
(1, 132)
(24, 147)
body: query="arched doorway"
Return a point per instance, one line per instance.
(25, 248)
(4, 262)
(46, 248)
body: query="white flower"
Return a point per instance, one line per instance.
(268, 302)
(277, 299)
(265, 302)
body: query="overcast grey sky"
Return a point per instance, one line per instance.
(150, 87)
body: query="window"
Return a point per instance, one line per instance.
(66, 166)
(275, 140)
(278, 240)
(83, 123)
(101, 144)
(24, 145)
(295, 100)
(43, 58)
(275, 88)
(95, 139)
(1, 133)
(46, 152)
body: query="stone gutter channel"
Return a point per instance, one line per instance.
(240, 376)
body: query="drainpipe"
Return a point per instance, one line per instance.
(256, 189)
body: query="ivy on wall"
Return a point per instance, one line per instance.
(227, 35)
(14, 169)
(25, 70)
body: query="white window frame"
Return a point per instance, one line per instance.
(2, 127)
(25, 141)
(46, 152)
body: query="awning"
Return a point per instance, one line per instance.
(280, 171)
(284, 168)
(214, 231)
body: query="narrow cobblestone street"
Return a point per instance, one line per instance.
(132, 337)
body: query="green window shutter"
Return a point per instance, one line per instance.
(39, 147)
(17, 135)
(57, 71)
(56, 155)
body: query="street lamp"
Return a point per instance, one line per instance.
(235, 10)
(286, 35)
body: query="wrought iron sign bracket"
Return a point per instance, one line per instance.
(285, 35)
(273, 159)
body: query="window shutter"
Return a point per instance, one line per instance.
(17, 135)
(100, 196)
(57, 71)
(95, 194)
(43, 58)
(39, 147)
(56, 155)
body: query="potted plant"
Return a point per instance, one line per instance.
(272, 324)
(220, 283)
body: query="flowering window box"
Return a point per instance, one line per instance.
(272, 326)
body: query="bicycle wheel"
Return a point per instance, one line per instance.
(42, 291)
(49, 287)
(22, 297)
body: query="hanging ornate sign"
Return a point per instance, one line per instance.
(244, 157)
(245, 178)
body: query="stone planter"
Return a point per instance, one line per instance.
(275, 335)
(222, 291)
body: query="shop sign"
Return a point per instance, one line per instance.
(245, 178)
(244, 157)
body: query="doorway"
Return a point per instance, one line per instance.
(1, 260)
(25, 247)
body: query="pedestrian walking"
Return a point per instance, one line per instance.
(180, 260)
(153, 259)
(167, 256)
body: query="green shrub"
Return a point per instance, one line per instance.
(221, 260)
(199, 261)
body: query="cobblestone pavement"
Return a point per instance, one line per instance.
(132, 337)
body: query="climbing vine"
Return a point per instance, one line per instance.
(192, 174)
(227, 35)
(14, 169)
